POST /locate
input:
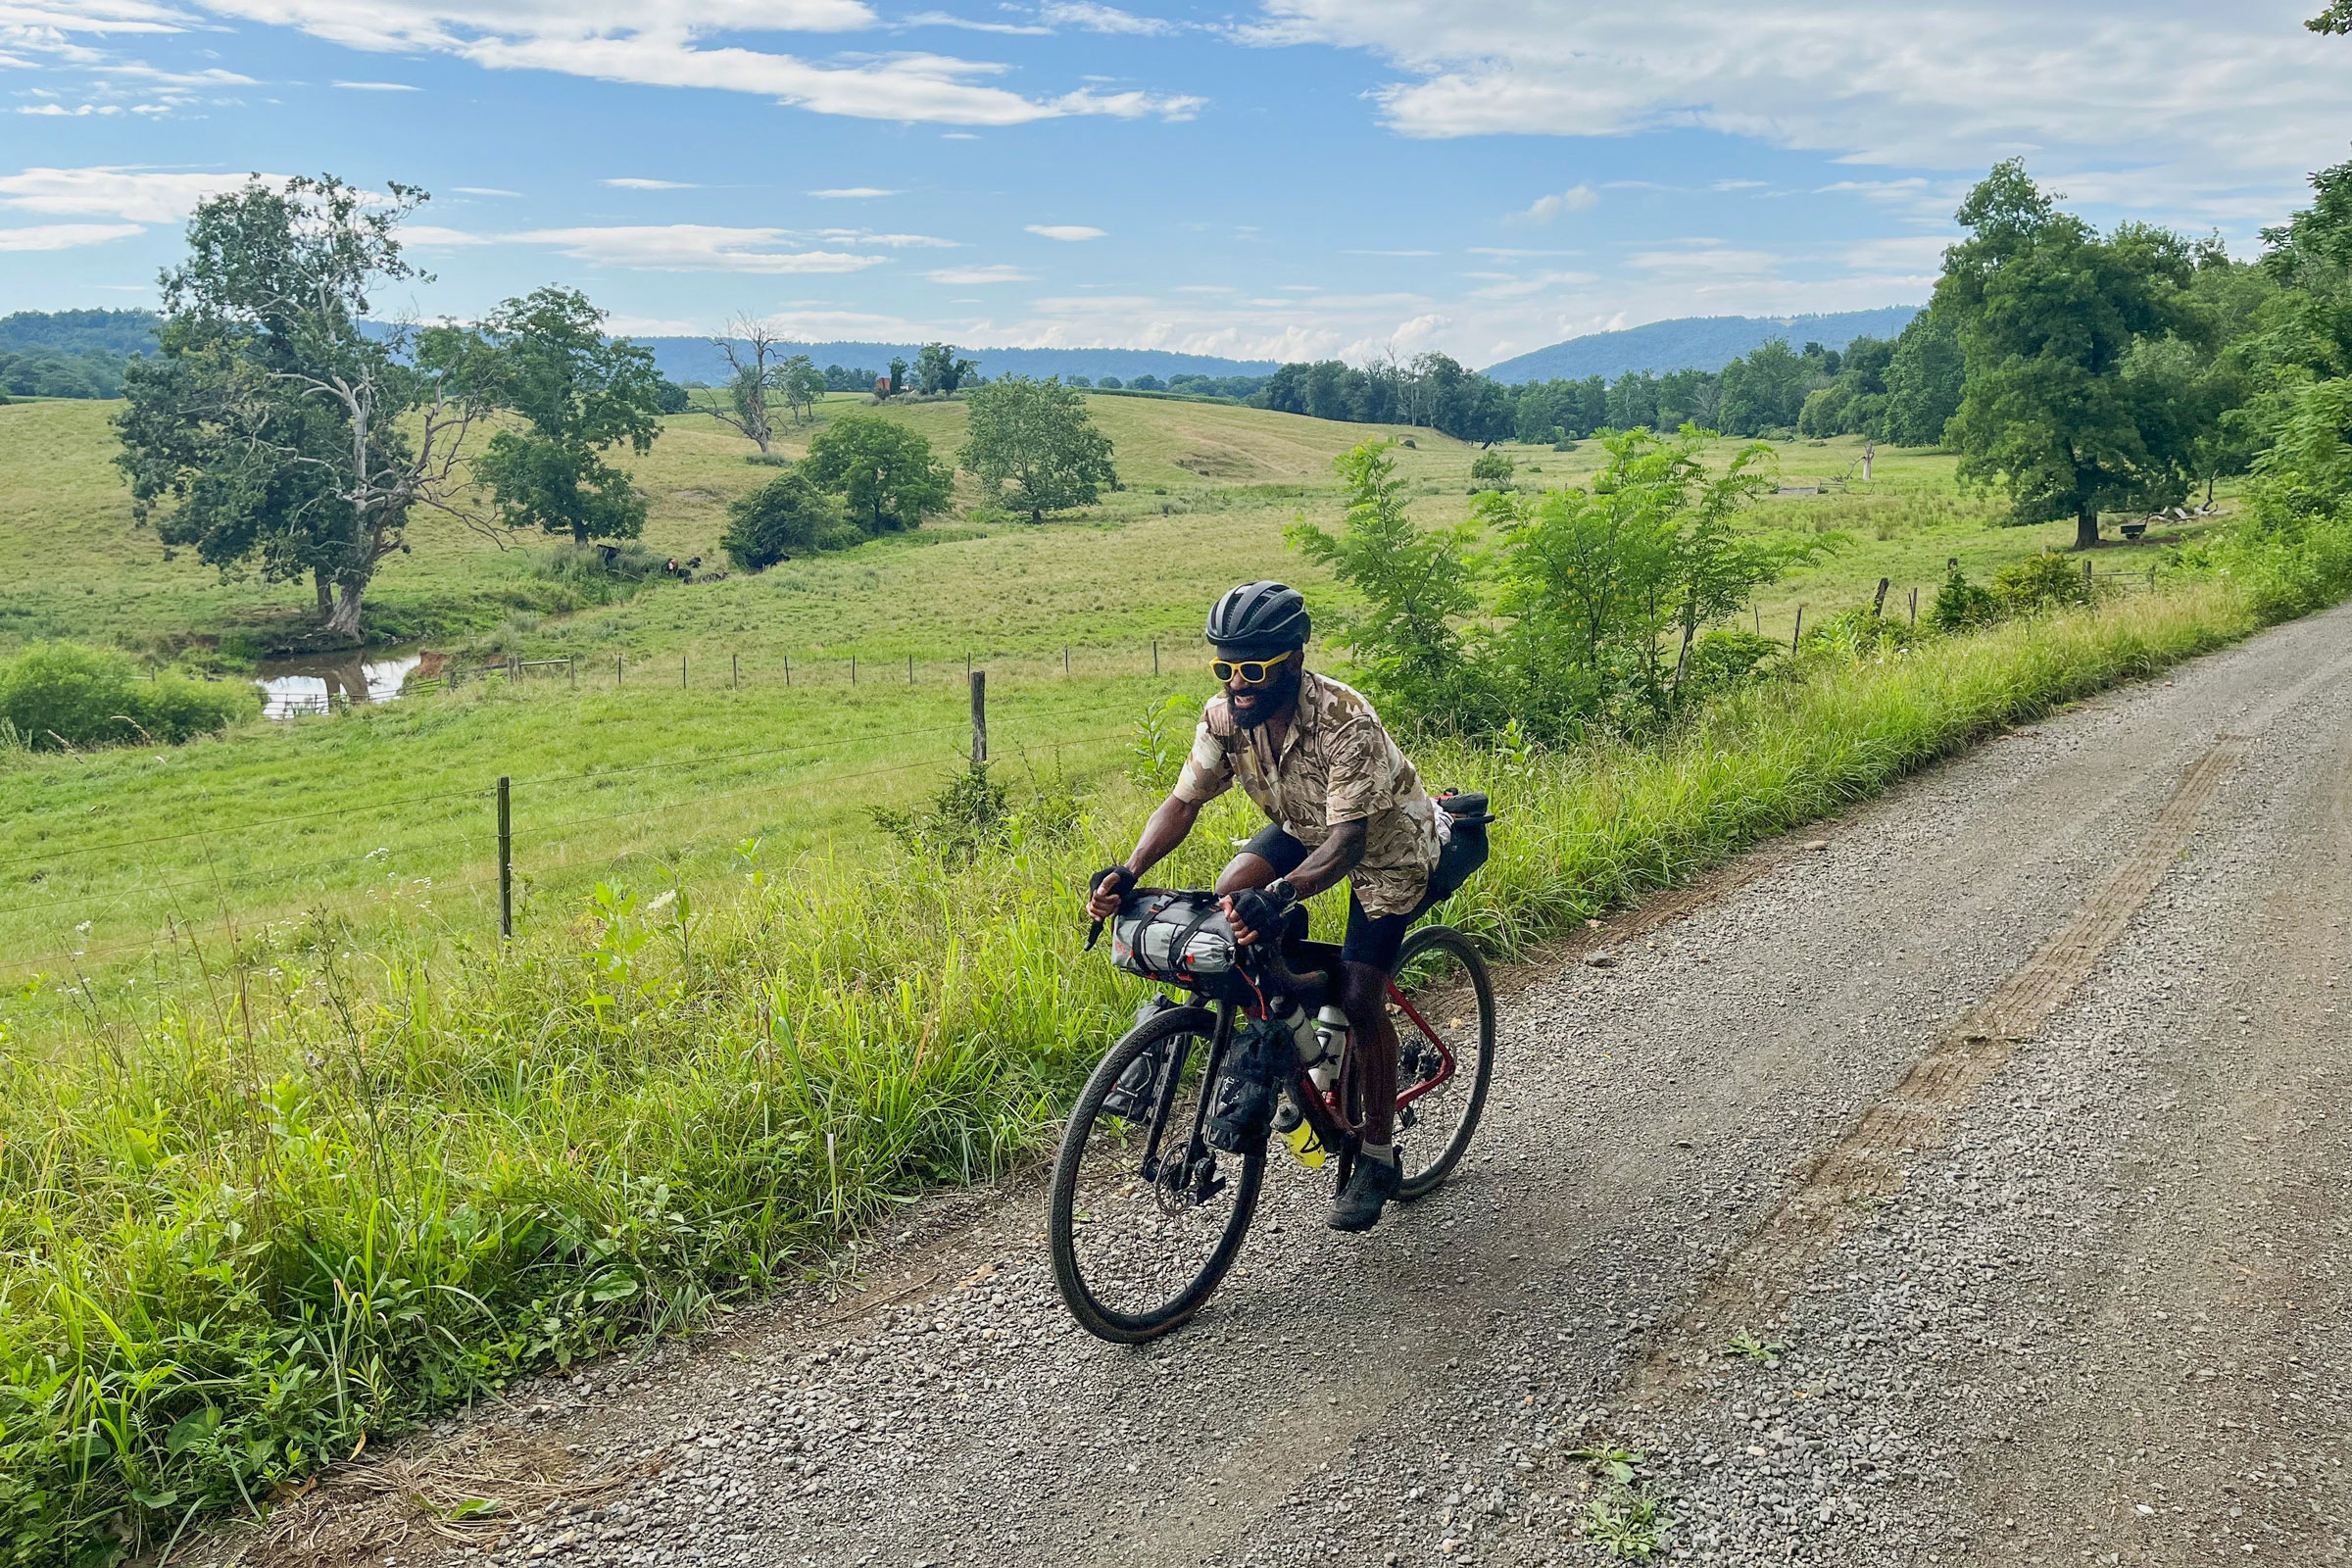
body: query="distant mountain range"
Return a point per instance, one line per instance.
(1694, 343)
(694, 359)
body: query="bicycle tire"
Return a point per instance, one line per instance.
(1083, 1297)
(1420, 1179)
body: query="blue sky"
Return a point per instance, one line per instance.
(1286, 178)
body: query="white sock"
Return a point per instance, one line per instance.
(1386, 1153)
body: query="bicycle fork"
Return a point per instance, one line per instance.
(1196, 1175)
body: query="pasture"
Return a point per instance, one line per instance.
(656, 771)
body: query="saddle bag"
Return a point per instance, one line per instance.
(1176, 938)
(1466, 849)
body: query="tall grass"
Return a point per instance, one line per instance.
(317, 1190)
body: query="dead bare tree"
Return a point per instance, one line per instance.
(749, 346)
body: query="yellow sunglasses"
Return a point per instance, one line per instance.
(1252, 671)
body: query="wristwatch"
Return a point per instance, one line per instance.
(1279, 889)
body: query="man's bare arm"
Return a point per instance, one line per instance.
(1168, 827)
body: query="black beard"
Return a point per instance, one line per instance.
(1267, 701)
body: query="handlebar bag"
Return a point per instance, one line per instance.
(1172, 937)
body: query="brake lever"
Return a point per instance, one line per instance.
(1094, 935)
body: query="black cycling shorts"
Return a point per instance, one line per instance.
(1373, 939)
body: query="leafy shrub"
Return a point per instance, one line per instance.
(1724, 658)
(2042, 582)
(787, 516)
(1961, 604)
(60, 695)
(972, 814)
(1492, 467)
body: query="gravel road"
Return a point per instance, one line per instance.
(2007, 1134)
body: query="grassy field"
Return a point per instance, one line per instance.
(383, 814)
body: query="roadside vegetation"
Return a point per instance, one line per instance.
(310, 1168)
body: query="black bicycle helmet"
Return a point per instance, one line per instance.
(1259, 617)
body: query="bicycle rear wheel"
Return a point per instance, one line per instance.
(1448, 1013)
(1137, 1253)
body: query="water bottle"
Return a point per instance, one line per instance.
(1331, 1035)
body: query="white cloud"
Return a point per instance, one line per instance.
(63, 236)
(897, 242)
(2161, 89)
(694, 248)
(628, 183)
(55, 111)
(1093, 18)
(378, 86)
(1066, 231)
(617, 40)
(941, 19)
(433, 237)
(133, 195)
(851, 193)
(482, 190)
(998, 272)
(1543, 209)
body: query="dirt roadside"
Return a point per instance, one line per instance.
(2019, 1117)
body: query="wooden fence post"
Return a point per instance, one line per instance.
(682, 672)
(979, 715)
(616, 680)
(910, 669)
(1800, 628)
(787, 669)
(1878, 603)
(1065, 658)
(852, 669)
(506, 865)
(1156, 656)
(735, 668)
(1914, 607)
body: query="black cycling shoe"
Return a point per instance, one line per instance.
(1369, 1188)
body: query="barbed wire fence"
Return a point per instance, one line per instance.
(491, 821)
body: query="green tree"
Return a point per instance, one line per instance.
(883, 471)
(2310, 258)
(1765, 390)
(1037, 438)
(1414, 587)
(1598, 583)
(2336, 19)
(801, 384)
(787, 516)
(1491, 468)
(273, 429)
(1924, 378)
(579, 393)
(937, 369)
(2048, 311)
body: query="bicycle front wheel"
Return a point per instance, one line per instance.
(1444, 1053)
(1143, 1229)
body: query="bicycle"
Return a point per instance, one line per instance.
(1144, 1226)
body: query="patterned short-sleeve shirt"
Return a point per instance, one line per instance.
(1337, 765)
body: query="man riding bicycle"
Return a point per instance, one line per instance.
(1342, 800)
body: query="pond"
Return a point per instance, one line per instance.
(312, 683)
